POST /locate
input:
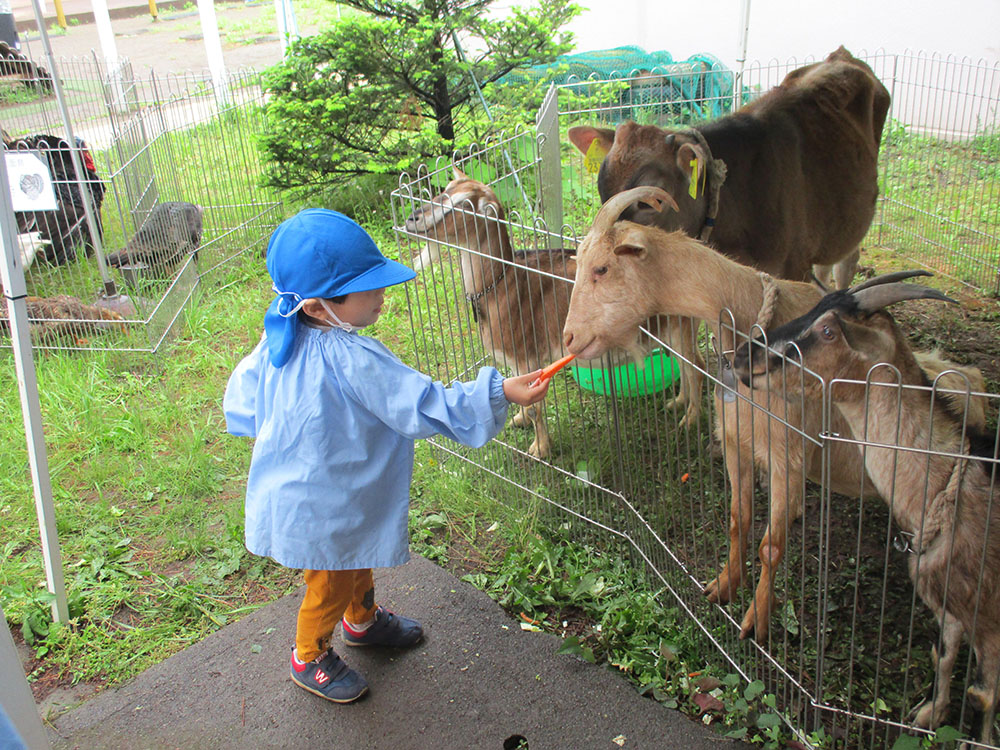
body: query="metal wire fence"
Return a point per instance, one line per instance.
(846, 654)
(149, 147)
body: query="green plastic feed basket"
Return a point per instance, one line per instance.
(660, 372)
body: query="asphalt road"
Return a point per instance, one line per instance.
(477, 681)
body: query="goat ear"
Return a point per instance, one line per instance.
(692, 161)
(458, 174)
(630, 249)
(582, 136)
(488, 206)
(871, 342)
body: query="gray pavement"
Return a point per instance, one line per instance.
(170, 45)
(476, 681)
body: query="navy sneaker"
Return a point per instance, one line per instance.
(329, 677)
(389, 629)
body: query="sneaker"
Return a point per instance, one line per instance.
(389, 629)
(329, 677)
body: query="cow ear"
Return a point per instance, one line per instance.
(583, 136)
(692, 161)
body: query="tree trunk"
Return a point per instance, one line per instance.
(442, 100)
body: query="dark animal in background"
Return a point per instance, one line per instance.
(65, 320)
(171, 232)
(798, 179)
(13, 63)
(65, 228)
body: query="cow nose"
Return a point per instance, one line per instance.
(567, 338)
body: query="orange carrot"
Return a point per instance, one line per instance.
(555, 367)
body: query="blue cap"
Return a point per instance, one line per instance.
(320, 253)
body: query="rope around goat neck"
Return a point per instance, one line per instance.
(770, 298)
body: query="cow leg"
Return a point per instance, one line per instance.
(739, 466)
(931, 712)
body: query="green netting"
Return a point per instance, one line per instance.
(701, 82)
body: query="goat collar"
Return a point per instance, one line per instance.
(474, 298)
(929, 531)
(715, 175)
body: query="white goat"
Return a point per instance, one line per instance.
(626, 273)
(936, 489)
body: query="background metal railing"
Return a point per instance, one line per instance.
(151, 140)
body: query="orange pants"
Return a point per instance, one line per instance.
(330, 595)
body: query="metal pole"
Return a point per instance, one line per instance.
(15, 290)
(741, 53)
(88, 209)
(287, 27)
(213, 49)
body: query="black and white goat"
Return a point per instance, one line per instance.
(922, 455)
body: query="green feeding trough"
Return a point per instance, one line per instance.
(660, 371)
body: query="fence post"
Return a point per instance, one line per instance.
(550, 169)
(16, 300)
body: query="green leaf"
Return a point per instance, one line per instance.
(947, 734)
(765, 721)
(754, 689)
(906, 742)
(573, 646)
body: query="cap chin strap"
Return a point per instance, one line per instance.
(300, 302)
(340, 324)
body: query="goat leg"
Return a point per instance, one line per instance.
(983, 693)
(541, 446)
(521, 419)
(739, 466)
(931, 712)
(786, 483)
(682, 336)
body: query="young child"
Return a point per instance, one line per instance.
(335, 415)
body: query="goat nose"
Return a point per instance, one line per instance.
(567, 338)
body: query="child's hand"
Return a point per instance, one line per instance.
(523, 390)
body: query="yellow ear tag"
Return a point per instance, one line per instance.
(594, 156)
(693, 187)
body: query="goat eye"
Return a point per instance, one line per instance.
(827, 333)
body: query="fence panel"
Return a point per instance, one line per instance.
(845, 645)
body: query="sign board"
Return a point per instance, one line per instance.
(30, 181)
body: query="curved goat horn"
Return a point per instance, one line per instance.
(877, 297)
(888, 278)
(612, 210)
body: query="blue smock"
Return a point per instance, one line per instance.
(329, 482)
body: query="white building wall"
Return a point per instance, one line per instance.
(780, 29)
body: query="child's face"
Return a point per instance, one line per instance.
(360, 309)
